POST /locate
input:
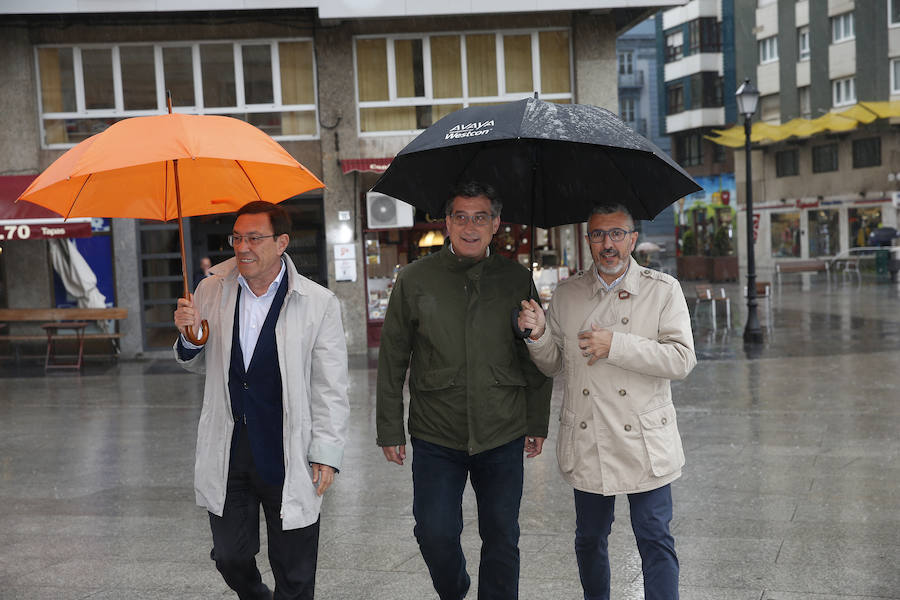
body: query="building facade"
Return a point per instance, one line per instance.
(819, 195)
(342, 85)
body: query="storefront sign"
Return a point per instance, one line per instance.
(37, 230)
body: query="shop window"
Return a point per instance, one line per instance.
(867, 152)
(862, 221)
(79, 95)
(825, 158)
(786, 163)
(823, 232)
(785, 234)
(409, 97)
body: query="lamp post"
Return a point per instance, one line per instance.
(747, 99)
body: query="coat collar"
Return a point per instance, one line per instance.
(630, 283)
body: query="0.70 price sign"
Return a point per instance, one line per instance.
(15, 232)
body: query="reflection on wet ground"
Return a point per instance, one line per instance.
(789, 491)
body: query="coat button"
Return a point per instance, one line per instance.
(622, 392)
(586, 392)
(583, 425)
(246, 386)
(624, 320)
(646, 271)
(664, 420)
(628, 428)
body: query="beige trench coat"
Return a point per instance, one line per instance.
(617, 427)
(312, 357)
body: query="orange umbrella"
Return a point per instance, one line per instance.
(168, 166)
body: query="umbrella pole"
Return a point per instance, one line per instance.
(188, 332)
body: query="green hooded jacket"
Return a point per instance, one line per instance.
(472, 384)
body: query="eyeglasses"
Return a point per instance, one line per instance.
(616, 234)
(477, 219)
(253, 240)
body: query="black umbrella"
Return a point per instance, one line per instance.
(550, 163)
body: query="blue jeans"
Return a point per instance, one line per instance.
(651, 513)
(439, 478)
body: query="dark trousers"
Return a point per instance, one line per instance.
(439, 479)
(651, 513)
(292, 553)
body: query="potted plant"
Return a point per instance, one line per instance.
(690, 264)
(724, 262)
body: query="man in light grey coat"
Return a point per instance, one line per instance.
(274, 418)
(618, 333)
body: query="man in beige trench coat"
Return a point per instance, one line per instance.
(618, 332)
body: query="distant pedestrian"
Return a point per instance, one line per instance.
(204, 272)
(476, 399)
(275, 408)
(619, 332)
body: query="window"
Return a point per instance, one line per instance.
(626, 109)
(842, 27)
(895, 74)
(674, 99)
(862, 221)
(803, 43)
(823, 232)
(689, 149)
(825, 158)
(269, 83)
(706, 90)
(785, 234)
(786, 163)
(718, 153)
(406, 83)
(768, 50)
(674, 46)
(843, 91)
(805, 103)
(626, 63)
(894, 12)
(867, 153)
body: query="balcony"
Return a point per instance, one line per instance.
(631, 80)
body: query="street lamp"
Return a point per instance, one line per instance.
(747, 99)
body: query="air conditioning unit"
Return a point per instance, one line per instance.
(895, 199)
(385, 211)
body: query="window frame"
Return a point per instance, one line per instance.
(836, 162)
(803, 36)
(780, 171)
(673, 52)
(890, 4)
(628, 106)
(118, 112)
(768, 49)
(465, 100)
(626, 62)
(843, 19)
(858, 164)
(846, 88)
(894, 65)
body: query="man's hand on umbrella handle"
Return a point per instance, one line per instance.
(395, 454)
(188, 321)
(532, 317)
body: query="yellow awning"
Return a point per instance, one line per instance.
(846, 120)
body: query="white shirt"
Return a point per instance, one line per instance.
(253, 312)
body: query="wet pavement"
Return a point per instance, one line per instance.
(790, 491)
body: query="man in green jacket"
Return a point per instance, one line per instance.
(477, 402)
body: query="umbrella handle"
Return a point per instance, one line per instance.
(189, 334)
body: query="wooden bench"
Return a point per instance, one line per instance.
(53, 320)
(801, 266)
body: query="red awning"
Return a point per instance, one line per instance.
(24, 220)
(366, 165)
